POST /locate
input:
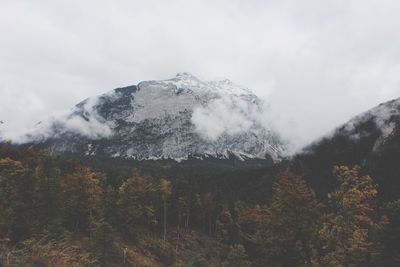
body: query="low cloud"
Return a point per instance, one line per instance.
(229, 115)
(83, 120)
(234, 115)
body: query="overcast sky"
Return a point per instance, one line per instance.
(317, 63)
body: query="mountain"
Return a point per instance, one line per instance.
(371, 140)
(178, 118)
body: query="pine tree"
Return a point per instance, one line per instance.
(48, 193)
(346, 233)
(207, 202)
(17, 214)
(237, 257)
(136, 202)
(223, 226)
(165, 190)
(250, 219)
(82, 198)
(391, 235)
(290, 226)
(102, 241)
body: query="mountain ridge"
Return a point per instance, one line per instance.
(168, 119)
(370, 140)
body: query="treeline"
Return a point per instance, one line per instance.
(42, 194)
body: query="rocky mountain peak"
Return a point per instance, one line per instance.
(175, 118)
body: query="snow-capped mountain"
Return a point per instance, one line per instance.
(370, 140)
(176, 118)
(378, 127)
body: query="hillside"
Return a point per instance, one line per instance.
(371, 140)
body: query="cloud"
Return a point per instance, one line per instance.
(92, 125)
(226, 115)
(84, 121)
(317, 63)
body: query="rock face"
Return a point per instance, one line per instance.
(179, 118)
(371, 140)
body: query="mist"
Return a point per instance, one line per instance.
(90, 125)
(316, 63)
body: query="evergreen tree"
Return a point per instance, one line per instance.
(289, 230)
(224, 225)
(136, 202)
(346, 233)
(48, 193)
(17, 214)
(207, 202)
(165, 190)
(237, 257)
(102, 241)
(82, 199)
(391, 235)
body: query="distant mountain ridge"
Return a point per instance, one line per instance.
(371, 140)
(168, 119)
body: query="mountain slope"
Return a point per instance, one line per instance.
(371, 140)
(177, 119)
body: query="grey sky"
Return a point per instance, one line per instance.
(317, 63)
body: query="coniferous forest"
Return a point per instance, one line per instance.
(57, 211)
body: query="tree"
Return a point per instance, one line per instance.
(207, 202)
(250, 219)
(223, 226)
(237, 257)
(110, 208)
(16, 193)
(48, 193)
(347, 231)
(136, 201)
(82, 199)
(391, 235)
(102, 236)
(166, 190)
(102, 241)
(185, 189)
(290, 226)
(181, 203)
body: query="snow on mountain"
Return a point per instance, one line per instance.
(176, 118)
(370, 134)
(381, 121)
(370, 140)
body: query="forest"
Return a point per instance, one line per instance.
(58, 211)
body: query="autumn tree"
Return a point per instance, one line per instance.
(81, 198)
(289, 229)
(346, 232)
